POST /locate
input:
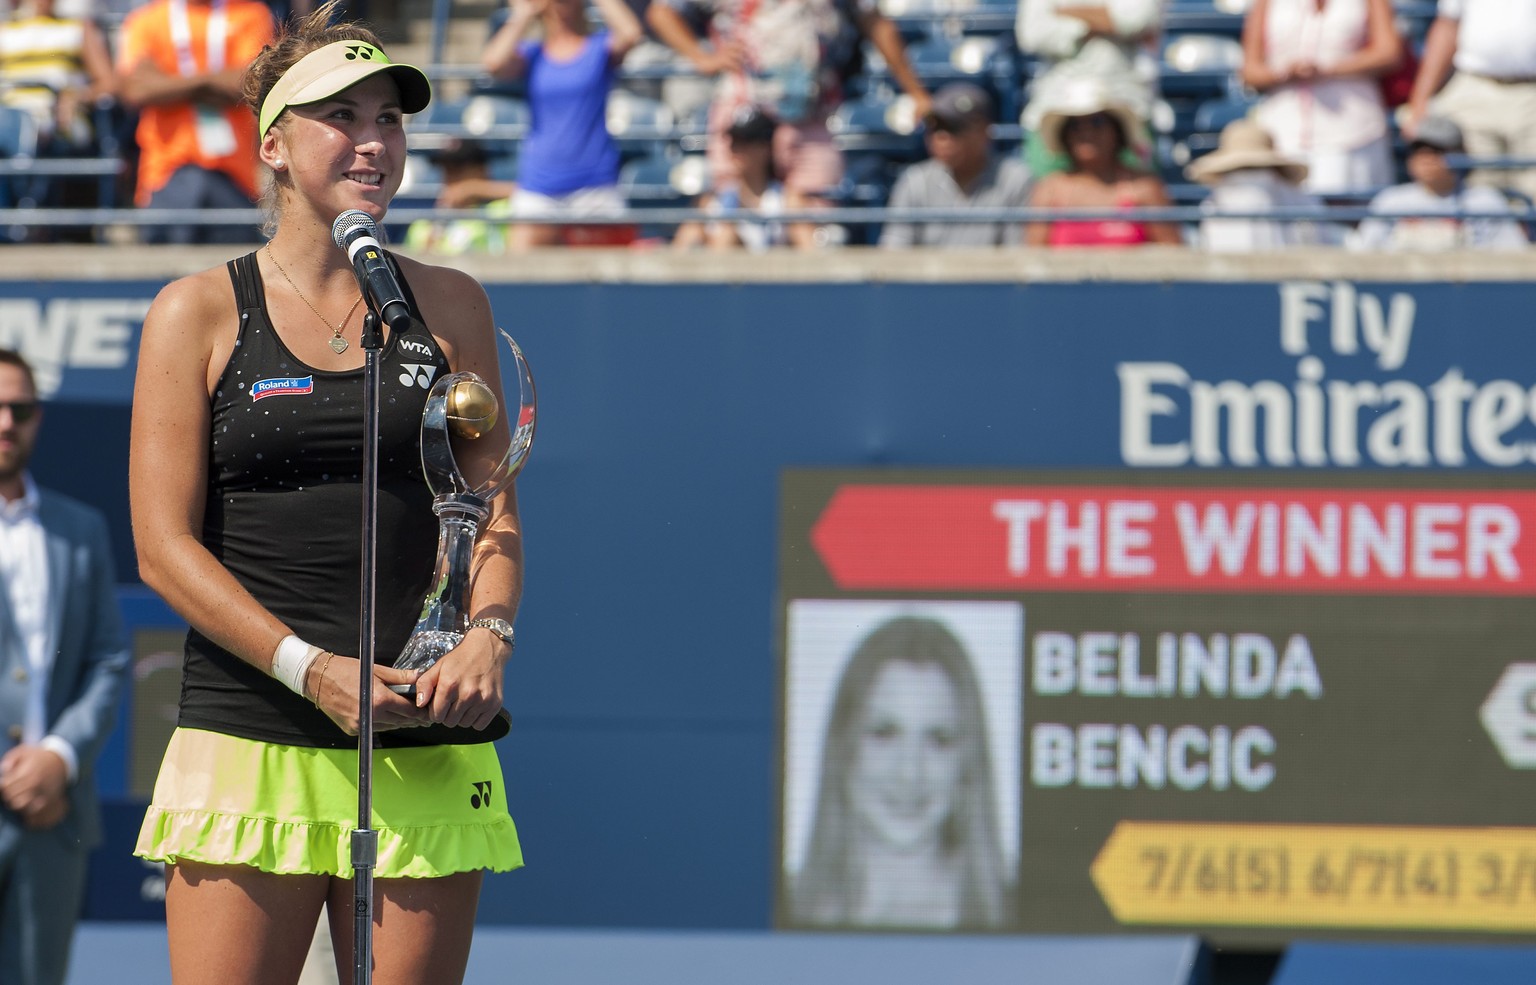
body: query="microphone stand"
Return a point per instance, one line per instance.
(365, 840)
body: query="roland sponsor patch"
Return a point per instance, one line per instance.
(281, 386)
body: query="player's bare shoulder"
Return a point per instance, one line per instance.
(452, 303)
(198, 309)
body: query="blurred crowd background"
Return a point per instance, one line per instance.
(1226, 125)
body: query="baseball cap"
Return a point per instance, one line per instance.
(752, 124)
(340, 65)
(1439, 133)
(960, 104)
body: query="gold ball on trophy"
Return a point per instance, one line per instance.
(471, 408)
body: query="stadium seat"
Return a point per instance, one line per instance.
(938, 60)
(1524, 209)
(1413, 18)
(1187, 193)
(649, 66)
(18, 148)
(923, 8)
(422, 179)
(663, 181)
(419, 180)
(498, 122)
(1204, 133)
(688, 97)
(439, 116)
(877, 125)
(1214, 114)
(1201, 64)
(917, 19)
(630, 113)
(641, 125)
(867, 182)
(495, 118)
(18, 133)
(660, 181)
(1206, 16)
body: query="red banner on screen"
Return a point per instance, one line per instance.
(1103, 538)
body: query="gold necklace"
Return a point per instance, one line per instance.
(338, 344)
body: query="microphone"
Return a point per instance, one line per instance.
(356, 233)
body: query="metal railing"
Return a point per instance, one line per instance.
(674, 216)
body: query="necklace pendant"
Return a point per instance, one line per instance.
(338, 344)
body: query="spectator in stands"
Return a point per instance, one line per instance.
(1317, 64)
(962, 172)
(57, 68)
(1247, 175)
(568, 165)
(1111, 40)
(466, 184)
(904, 832)
(1492, 96)
(181, 65)
(792, 56)
(1093, 127)
(1437, 188)
(749, 207)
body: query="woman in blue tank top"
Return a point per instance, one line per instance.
(244, 474)
(568, 164)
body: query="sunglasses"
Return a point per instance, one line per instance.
(22, 411)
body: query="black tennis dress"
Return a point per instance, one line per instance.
(283, 515)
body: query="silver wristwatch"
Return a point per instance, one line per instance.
(500, 627)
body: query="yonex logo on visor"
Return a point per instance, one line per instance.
(338, 66)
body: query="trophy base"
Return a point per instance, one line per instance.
(445, 735)
(425, 648)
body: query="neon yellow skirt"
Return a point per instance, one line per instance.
(292, 809)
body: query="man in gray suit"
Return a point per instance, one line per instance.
(62, 658)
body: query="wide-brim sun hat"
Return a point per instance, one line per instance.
(1244, 145)
(1085, 97)
(340, 65)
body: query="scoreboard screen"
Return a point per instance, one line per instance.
(1255, 707)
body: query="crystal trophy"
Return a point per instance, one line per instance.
(469, 456)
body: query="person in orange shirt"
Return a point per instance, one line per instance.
(180, 66)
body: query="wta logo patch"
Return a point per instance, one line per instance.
(281, 385)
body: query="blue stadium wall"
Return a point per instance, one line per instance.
(643, 764)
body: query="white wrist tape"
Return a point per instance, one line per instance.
(291, 662)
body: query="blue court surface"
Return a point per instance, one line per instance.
(1308, 963)
(117, 953)
(134, 954)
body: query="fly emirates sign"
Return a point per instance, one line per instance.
(1171, 418)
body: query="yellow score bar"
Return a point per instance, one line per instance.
(1302, 875)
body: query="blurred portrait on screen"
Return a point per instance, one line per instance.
(900, 823)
